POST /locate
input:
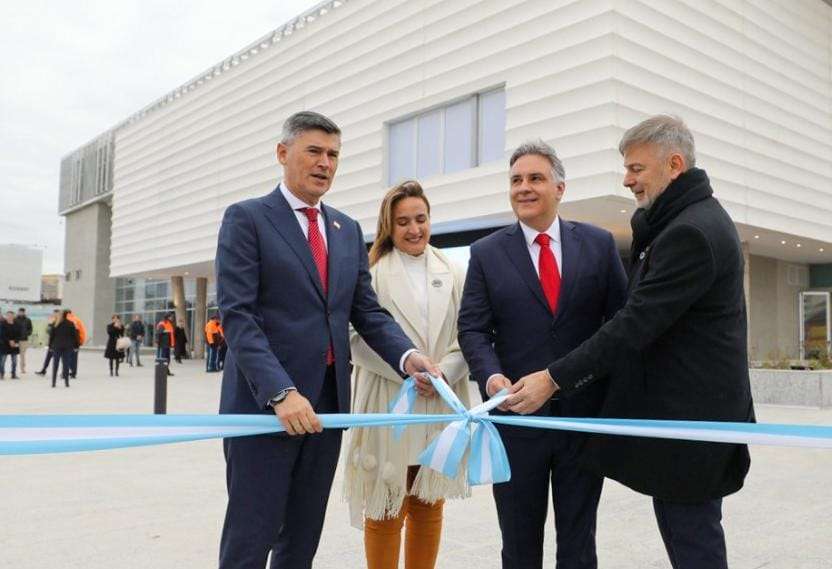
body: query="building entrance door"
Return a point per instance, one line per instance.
(815, 333)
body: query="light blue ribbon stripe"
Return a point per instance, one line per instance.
(488, 462)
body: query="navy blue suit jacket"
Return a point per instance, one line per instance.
(278, 321)
(505, 324)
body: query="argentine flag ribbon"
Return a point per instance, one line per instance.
(487, 463)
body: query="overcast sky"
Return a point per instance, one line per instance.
(70, 70)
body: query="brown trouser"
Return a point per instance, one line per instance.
(382, 538)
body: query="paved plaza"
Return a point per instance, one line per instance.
(162, 507)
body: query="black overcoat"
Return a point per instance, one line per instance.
(677, 350)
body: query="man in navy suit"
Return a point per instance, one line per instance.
(291, 276)
(534, 291)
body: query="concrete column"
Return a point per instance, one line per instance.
(178, 286)
(200, 312)
(746, 285)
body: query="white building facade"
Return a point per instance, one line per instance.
(442, 91)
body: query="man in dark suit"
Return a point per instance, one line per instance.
(291, 276)
(533, 292)
(677, 350)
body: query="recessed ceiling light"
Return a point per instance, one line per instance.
(756, 237)
(782, 243)
(623, 211)
(799, 245)
(821, 249)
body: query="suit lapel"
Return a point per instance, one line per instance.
(570, 246)
(335, 245)
(402, 294)
(286, 224)
(518, 253)
(440, 286)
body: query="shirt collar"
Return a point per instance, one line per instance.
(294, 202)
(553, 232)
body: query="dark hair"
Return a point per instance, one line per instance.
(303, 121)
(383, 242)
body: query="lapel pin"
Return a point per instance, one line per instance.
(642, 255)
(436, 283)
(336, 224)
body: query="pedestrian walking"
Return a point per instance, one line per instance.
(65, 342)
(136, 334)
(24, 325)
(9, 344)
(115, 331)
(50, 329)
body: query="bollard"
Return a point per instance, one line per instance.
(160, 389)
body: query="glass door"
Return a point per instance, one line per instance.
(815, 338)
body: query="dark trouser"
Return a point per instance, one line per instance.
(114, 362)
(211, 359)
(523, 502)
(163, 354)
(73, 363)
(278, 489)
(692, 534)
(46, 360)
(63, 357)
(3, 363)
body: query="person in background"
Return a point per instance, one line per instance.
(82, 338)
(136, 334)
(180, 342)
(65, 343)
(9, 344)
(211, 329)
(115, 330)
(384, 484)
(25, 330)
(165, 340)
(50, 328)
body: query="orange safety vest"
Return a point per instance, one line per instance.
(210, 330)
(168, 327)
(79, 326)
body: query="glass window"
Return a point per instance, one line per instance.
(402, 150)
(429, 148)
(492, 119)
(460, 121)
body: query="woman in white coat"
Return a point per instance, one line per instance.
(384, 485)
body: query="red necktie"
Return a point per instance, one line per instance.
(548, 267)
(316, 244)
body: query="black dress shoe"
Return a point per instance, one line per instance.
(40, 373)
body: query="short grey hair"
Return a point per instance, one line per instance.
(304, 121)
(540, 148)
(668, 132)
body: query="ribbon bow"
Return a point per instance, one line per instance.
(488, 462)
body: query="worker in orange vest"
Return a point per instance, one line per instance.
(82, 337)
(212, 333)
(165, 340)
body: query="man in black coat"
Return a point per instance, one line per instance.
(677, 350)
(24, 325)
(9, 344)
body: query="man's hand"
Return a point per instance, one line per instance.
(296, 415)
(531, 392)
(494, 385)
(416, 365)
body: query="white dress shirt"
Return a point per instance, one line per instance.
(554, 244)
(298, 206)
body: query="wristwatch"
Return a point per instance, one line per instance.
(280, 396)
